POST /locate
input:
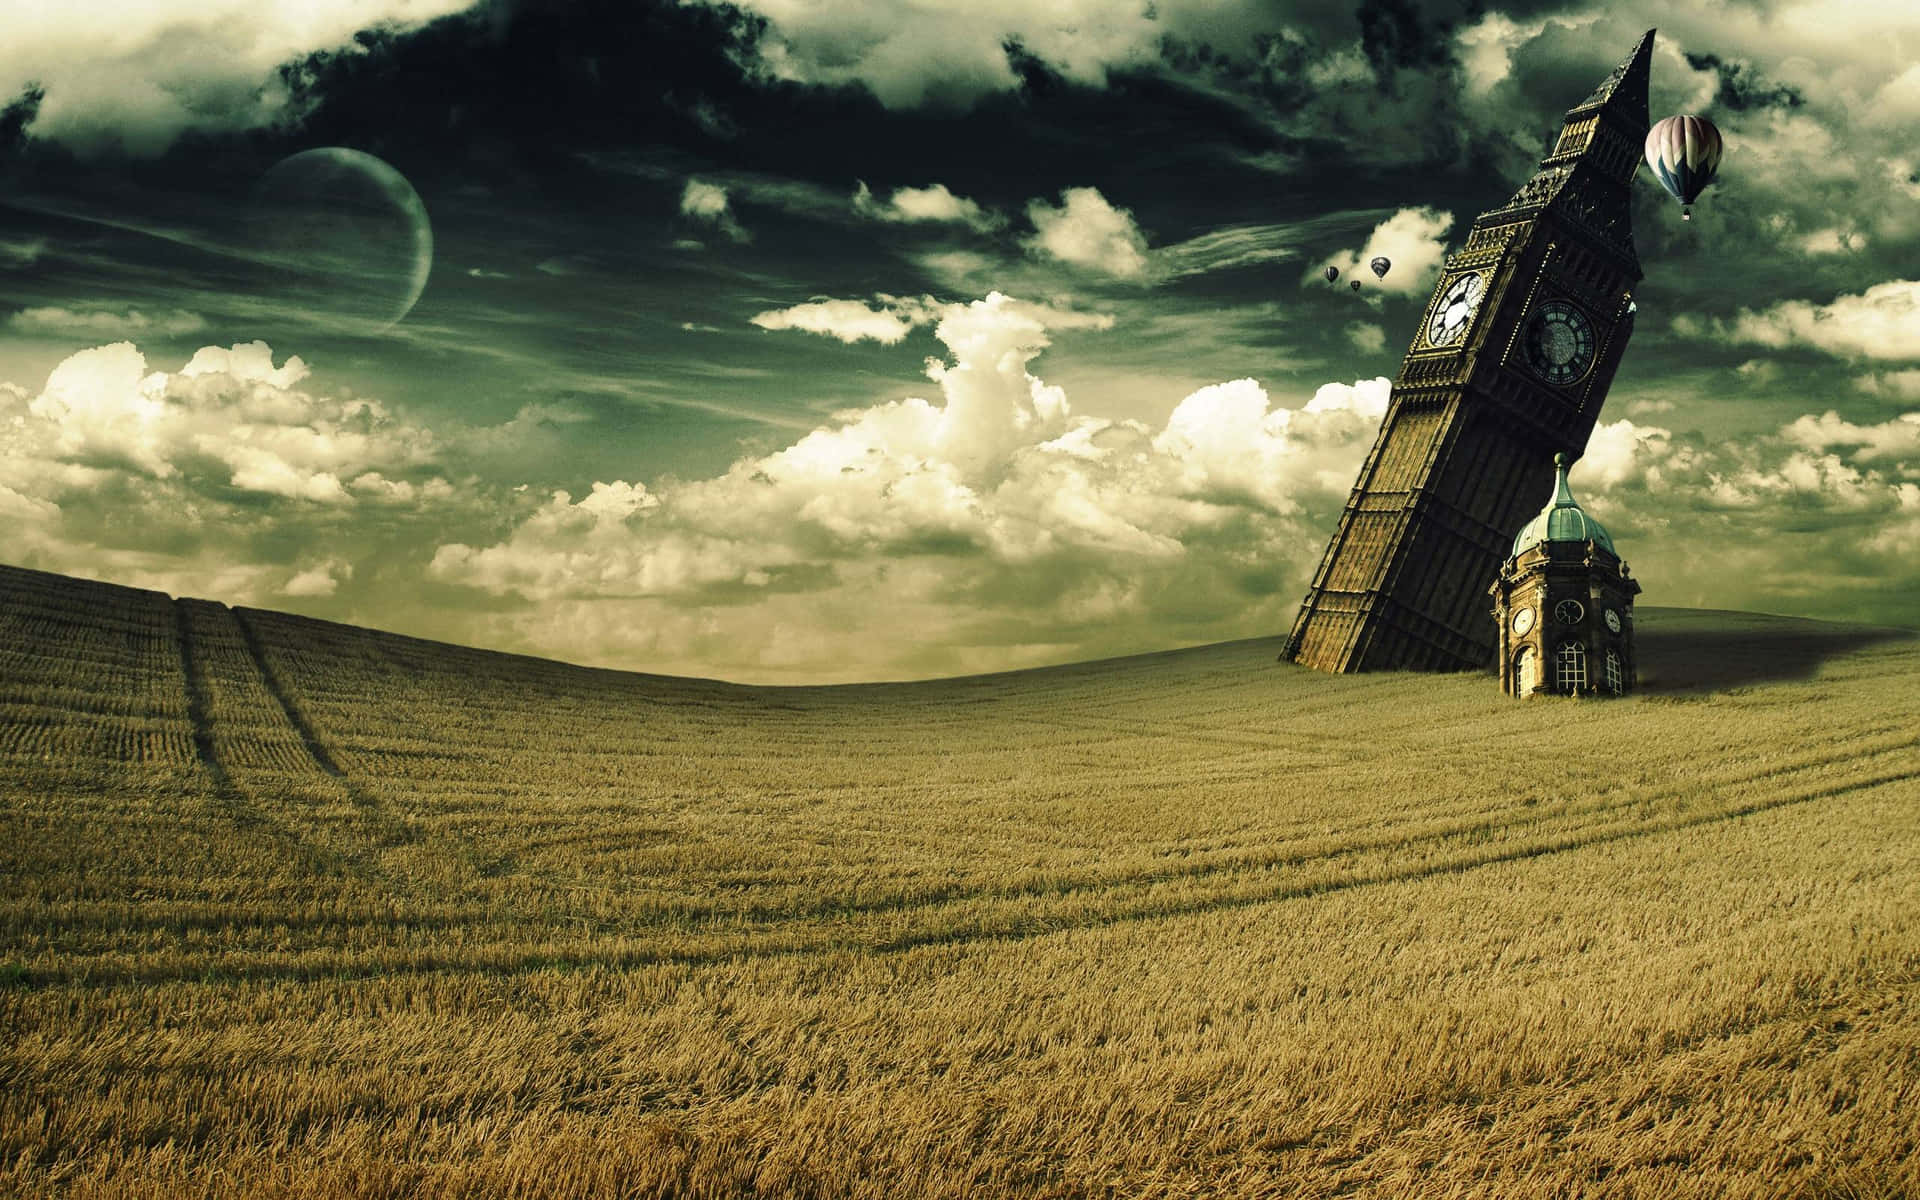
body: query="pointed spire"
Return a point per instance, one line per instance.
(1562, 494)
(1623, 94)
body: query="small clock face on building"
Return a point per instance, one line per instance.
(1613, 620)
(1559, 343)
(1523, 620)
(1568, 612)
(1456, 308)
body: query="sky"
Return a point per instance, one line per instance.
(787, 341)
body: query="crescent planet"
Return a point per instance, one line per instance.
(346, 234)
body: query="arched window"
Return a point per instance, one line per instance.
(1616, 678)
(1572, 666)
(1526, 672)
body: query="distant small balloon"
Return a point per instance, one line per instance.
(1355, 285)
(1332, 274)
(1381, 266)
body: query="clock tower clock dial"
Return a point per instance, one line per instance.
(1510, 364)
(1558, 343)
(1454, 312)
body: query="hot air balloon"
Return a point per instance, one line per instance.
(1684, 152)
(1333, 273)
(1355, 285)
(1381, 266)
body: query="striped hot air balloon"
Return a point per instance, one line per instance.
(1684, 152)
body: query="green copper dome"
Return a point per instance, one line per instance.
(1562, 520)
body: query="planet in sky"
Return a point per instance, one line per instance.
(345, 237)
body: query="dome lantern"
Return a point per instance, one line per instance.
(1562, 520)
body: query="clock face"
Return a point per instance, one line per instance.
(1559, 342)
(1456, 308)
(1613, 620)
(1568, 612)
(1523, 620)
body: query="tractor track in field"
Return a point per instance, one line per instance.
(276, 688)
(778, 942)
(199, 704)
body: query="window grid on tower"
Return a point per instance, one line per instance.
(1613, 671)
(1572, 666)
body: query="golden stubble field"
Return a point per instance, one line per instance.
(297, 909)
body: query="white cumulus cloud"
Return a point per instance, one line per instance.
(1882, 322)
(1088, 232)
(1366, 338)
(137, 76)
(229, 408)
(933, 204)
(1413, 240)
(707, 203)
(1895, 439)
(1901, 385)
(950, 55)
(851, 321)
(180, 479)
(981, 527)
(321, 579)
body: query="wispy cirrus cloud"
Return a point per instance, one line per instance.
(106, 321)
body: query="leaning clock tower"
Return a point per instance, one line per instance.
(1510, 365)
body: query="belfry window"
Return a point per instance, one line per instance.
(1614, 678)
(1572, 666)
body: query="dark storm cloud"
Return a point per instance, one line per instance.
(17, 115)
(1743, 86)
(522, 83)
(1394, 36)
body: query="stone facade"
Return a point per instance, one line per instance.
(1565, 645)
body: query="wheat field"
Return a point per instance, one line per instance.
(294, 909)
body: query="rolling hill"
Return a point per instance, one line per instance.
(293, 908)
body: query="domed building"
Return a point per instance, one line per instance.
(1564, 603)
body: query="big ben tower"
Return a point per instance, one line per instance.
(1509, 367)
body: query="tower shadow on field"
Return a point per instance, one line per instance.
(1695, 651)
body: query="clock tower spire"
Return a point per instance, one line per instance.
(1508, 367)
